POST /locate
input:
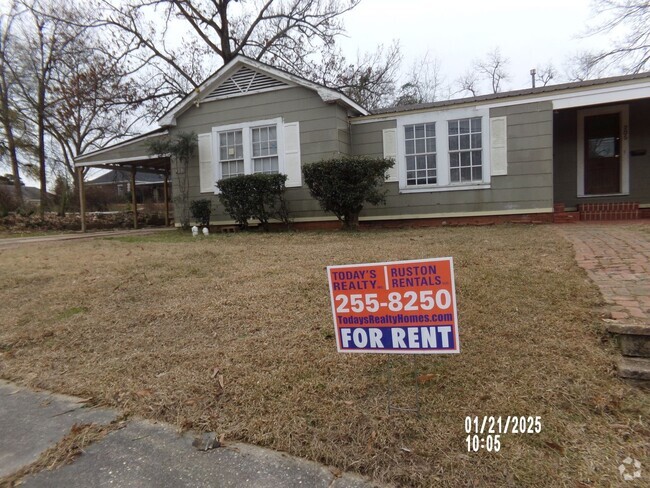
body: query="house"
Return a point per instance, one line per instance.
(149, 186)
(563, 152)
(31, 194)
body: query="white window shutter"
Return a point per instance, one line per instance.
(390, 151)
(206, 174)
(292, 167)
(499, 146)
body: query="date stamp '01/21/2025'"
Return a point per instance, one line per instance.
(484, 433)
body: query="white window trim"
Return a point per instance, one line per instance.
(246, 128)
(442, 149)
(624, 120)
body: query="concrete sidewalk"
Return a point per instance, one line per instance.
(140, 454)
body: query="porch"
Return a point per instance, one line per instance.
(601, 162)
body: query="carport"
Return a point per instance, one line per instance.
(132, 155)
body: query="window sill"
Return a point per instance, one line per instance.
(435, 189)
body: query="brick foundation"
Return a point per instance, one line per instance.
(566, 217)
(591, 212)
(561, 216)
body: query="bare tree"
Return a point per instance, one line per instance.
(545, 74)
(583, 66)
(93, 105)
(424, 82)
(493, 68)
(370, 80)
(45, 39)
(296, 35)
(468, 82)
(631, 19)
(8, 113)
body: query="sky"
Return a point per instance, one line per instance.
(528, 33)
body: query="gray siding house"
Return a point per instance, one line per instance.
(563, 152)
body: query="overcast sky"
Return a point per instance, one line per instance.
(529, 33)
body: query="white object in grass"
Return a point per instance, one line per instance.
(206, 232)
(195, 231)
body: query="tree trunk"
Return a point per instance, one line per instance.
(226, 52)
(351, 221)
(18, 189)
(11, 145)
(41, 148)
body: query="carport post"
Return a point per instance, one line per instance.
(166, 193)
(82, 197)
(134, 200)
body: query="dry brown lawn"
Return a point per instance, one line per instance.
(142, 323)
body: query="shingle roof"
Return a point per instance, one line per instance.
(510, 94)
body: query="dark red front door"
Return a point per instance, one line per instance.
(602, 154)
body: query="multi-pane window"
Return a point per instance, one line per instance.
(465, 150)
(265, 149)
(231, 153)
(420, 145)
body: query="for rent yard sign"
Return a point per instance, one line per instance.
(403, 307)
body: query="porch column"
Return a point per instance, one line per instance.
(166, 194)
(134, 200)
(82, 198)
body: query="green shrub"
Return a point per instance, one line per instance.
(201, 210)
(256, 196)
(342, 186)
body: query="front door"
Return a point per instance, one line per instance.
(602, 154)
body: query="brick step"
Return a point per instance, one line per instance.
(637, 369)
(634, 339)
(597, 216)
(609, 211)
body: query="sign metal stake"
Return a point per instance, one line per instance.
(391, 406)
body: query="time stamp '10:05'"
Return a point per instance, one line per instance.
(485, 433)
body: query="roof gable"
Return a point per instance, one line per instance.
(244, 81)
(229, 80)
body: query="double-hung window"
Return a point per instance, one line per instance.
(465, 150)
(420, 151)
(265, 149)
(443, 150)
(231, 153)
(247, 148)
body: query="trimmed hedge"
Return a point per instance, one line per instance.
(257, 196)
(201, 210)
(342, 186)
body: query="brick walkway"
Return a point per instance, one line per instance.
(617, 258)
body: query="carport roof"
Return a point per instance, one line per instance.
(131, 152)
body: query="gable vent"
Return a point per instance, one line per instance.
(244, 81)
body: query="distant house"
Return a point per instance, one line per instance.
(148, 186)
(31, 194)
(564, 152)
